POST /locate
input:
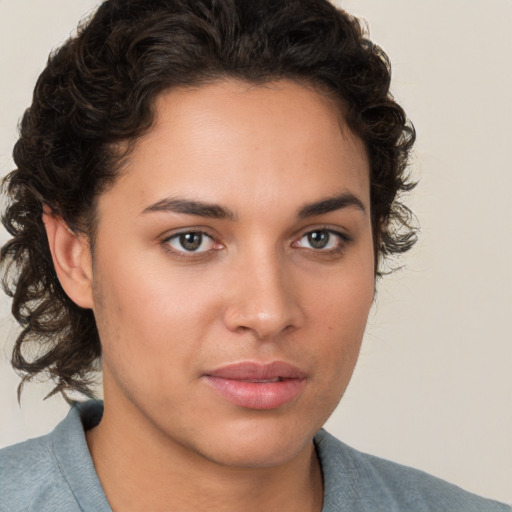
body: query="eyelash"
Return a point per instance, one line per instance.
(343, 240)
(183, 253)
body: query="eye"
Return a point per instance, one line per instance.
(322, 240)
(191, 241)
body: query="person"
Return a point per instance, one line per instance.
(204, 197)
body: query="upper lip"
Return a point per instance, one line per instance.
(249, 370)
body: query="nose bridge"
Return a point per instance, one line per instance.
(262, 299)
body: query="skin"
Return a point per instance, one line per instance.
(256, 290)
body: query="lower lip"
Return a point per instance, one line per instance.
(257, 395)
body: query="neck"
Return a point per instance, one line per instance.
(140, 468)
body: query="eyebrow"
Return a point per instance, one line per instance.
(330, 204)
(215, 211)
(188, 207)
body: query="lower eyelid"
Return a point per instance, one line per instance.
(175, 237)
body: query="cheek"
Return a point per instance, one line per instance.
(341, 311)
(340, 315)
(150, 322)
(342, 300)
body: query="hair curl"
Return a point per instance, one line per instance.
(97, 94)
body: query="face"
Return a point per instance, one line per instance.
(233, 271)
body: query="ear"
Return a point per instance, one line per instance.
(71, 258)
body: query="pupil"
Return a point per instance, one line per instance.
(191, 241)
(318, 239)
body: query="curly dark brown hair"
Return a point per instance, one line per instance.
(97, 94)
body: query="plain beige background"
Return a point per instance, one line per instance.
(433, 387)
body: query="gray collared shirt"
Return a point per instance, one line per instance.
(55, 473)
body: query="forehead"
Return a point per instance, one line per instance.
(270, 142)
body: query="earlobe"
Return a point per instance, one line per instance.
(71, 258)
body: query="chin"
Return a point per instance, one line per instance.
(251, 456)
(256, 445)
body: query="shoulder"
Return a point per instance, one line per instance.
(30, 476)
(48, 473)
(364, 482)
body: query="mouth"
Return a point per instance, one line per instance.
(257, 386)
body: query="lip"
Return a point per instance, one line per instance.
(257, 386)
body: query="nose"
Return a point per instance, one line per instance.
(262, 299)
